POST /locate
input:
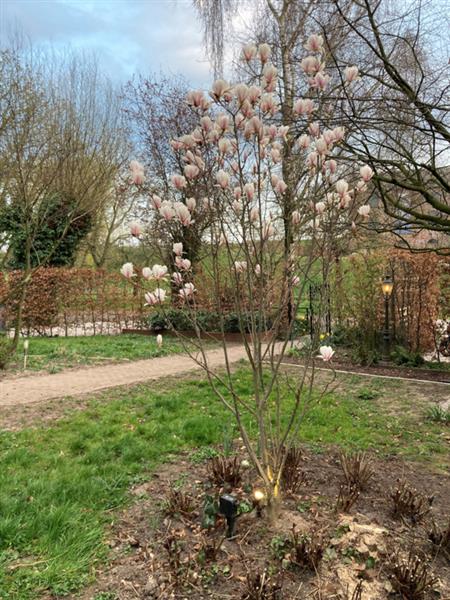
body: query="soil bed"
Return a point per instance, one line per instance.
(163, 555)
(386, 370)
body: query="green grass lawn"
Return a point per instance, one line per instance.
(56, 353)
(61, 485)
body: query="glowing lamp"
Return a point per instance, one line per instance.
(387, 286)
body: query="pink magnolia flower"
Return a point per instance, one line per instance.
(183, 263)
(166, 210)
(187, 291)
(341, 187)
(345, 200)
(249, 52)
(127, 270)
(326, 353)
(311, 65)
(332, 165)
(156, 202)
(311, 160)
(281, 186)
(304, 106)
(176, 144)
(206, 123)
(159, 272)
(268, 104)
(270, 73)
(314, 43)
(191, 204)
(320, 208)
(328, 136)
(237, 206)
(249, 190)
(364, 211)
(241, 91)
(178, 248)
(219, 88)
(254, 92)
(275, 154)
(339, 133)
(351, 74)
(224, 146)
(366, 173)
(159, 340)
(147, 273)
(246, 111)
(304, 141)
(240, 266)
(361, 186)
(195, 98)
(321, 146)
(223, 179)
(179, 181)
(191, 171)
(296, 217)
(223, 121)
(156, 297)
(264, 52)
(135, 229)
(137, 172)
(272, 131)
(295, 280)
(183, 214)
(320, 81)
(283, 131)
(187, 141)
(177, 278)
(237, 192)
(314, 128)
(258, 270)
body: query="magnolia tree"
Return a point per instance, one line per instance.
(239, 132)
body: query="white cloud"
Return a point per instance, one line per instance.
(127, 35)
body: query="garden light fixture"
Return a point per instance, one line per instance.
(387, 286)
(228, 507)
(258, 500)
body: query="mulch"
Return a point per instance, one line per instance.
(432, 375)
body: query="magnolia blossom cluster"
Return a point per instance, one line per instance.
(244, 131)
(160, 275)
(240, 142)
(137, 172)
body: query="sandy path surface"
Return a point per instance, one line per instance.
(36, 388)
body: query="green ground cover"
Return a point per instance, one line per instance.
(61, 485)
(57, 353)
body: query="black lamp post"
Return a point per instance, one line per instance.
(387, 286)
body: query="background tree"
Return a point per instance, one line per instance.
(399, 116)
(161, 118)
(61, 146)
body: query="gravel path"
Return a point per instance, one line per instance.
(36, 388)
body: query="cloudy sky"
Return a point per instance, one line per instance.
(127, 35)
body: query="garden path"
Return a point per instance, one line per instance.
(36, 388)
